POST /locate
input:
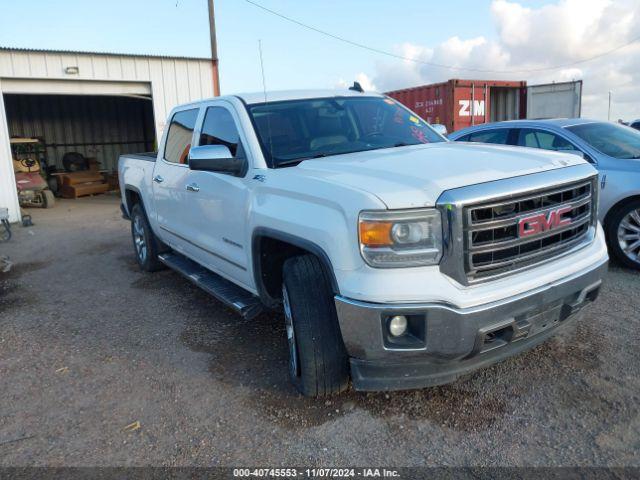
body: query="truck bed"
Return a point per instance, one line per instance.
(148, 156)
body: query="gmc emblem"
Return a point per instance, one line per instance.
(540, 223)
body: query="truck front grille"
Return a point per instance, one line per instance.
(518, 232)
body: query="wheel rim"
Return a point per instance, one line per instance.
(139, 239)
(629, 235)
(291, 334)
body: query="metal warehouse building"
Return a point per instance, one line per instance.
(98, 104)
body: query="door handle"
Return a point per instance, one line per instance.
(193, 187)
(158, 179)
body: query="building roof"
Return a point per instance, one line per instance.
(80, 52)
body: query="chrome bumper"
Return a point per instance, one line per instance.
(446, 342)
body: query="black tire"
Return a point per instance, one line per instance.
(146, 252)
(48, 199)
(322, 365)
(74, 162)
(612, 227)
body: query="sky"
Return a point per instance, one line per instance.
(505, 36)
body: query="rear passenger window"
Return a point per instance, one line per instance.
(219, 128)
(490, 136)
(528, 138)
(545, 140)
(179, 136)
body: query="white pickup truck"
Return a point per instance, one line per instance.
(400, 260)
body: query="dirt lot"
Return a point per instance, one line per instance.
(89, 345)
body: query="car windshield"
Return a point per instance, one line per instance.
(296, 130)
(611, 139)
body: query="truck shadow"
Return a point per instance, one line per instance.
(251, 356)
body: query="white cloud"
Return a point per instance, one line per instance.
(532, 38)
(362, 78)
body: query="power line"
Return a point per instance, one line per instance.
(433, 64)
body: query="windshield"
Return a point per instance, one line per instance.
(609, 138)
(292, 131)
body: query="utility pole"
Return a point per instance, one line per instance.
(214, 50)
(609, 111)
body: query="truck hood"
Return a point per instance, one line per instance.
(415, 176)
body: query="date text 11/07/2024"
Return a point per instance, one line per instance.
(316, 472)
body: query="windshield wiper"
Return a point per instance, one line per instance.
(294, 161)
(282, 163)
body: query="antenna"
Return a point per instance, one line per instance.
(264, 89)
(264, 83)
(357, 87)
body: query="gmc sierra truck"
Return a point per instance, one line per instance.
(399, 259)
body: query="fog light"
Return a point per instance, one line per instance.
(398, 325)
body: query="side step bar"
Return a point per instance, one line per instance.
(233, 296)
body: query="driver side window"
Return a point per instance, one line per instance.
(219, 128)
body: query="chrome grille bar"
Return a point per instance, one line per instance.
(486, 247)
(583, 200)
(492, 243)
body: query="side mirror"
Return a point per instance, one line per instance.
(215, 158)
(441, 129)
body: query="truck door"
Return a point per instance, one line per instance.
(170, 177)
(216, 203)
(554, 100)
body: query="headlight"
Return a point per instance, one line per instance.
(401, 238)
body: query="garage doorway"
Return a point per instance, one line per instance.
(78, 132)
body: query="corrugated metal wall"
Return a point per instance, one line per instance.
(173, 81)
(95, 126)
(8, 195)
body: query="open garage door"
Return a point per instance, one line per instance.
(98, 127)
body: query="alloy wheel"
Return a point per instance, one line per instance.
(291, 334)
(629, 235)
(139, 239)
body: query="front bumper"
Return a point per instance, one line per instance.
(447, 342)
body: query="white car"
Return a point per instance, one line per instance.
(400, 259)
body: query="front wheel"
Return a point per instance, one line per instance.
(318, 361)
(623, 234)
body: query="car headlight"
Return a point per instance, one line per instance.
(401, 238)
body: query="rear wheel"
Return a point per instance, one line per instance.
(623, 234)
(318, 361)
(145, 243)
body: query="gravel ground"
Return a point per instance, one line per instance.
(89, 345)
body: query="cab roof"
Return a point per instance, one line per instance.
(283, 95)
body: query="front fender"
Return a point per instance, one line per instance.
(324, 223)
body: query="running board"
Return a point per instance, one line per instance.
(233, 296)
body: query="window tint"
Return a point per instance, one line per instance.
(178, 143)
(219, 128)
(611, 139)
(498, 136)
(545, 140)
(296, 130)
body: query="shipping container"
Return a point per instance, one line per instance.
(459, 104)
(555, 100)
